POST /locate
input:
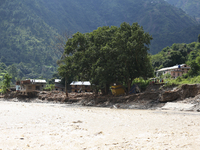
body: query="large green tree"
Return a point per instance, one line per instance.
(132, 44)
(108, 55)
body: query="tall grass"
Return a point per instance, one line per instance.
(181, 80)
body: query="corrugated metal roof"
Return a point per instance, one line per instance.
(170, 68)
(80, 83)
(57, 80)
(38, 81)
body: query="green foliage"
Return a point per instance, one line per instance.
(163, 40)
(182, 80)
(141, 82)
(28, 29)
(166, 76)
(6, 83)
(25, 38)
(195, 68)
(176, 54)
(49, 87)
(108, 55)
(191, 7)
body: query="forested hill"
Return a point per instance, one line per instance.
(86, 15)
(25, 39)
(28, 27)
(191, 7)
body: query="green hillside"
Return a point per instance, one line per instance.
(86, 15)
(191, 7)
(186, 35)
(157, 17)
(25, 38)
(28, 27)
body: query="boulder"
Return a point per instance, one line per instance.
(169, 96)
(189, 90)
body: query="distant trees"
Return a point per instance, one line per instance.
(108, 55)
(176, 54)
(198, 38)
(179, 54)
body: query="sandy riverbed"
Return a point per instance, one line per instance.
(64, 127)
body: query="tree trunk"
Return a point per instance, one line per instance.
(103, 91)
(66, 87)
(96, 91)
(107, 89)
(129, 85)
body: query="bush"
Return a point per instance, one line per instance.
(6, 83)
(49, 87)
(141, 82)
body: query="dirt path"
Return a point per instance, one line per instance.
(63, 127)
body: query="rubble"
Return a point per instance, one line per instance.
(185, 91)
(154, 97)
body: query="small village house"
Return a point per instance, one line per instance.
(175, 71)
(58, 85)
(27, 86)
(81, 86)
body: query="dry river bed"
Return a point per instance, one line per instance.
(41, 126)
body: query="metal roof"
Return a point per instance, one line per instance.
(170, 68)
(38, 81)
(80, 83)
(57, 80)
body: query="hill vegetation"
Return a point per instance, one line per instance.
(25, 41)
(187, 35)
(191, 7)
(178, 53)
(28, 28)
(157, 17)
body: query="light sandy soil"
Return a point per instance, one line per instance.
(66, 127)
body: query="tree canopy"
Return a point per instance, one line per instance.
(179, 53)
(108, 55)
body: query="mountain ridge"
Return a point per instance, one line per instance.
(29, 27)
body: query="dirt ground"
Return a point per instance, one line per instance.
(70, 127)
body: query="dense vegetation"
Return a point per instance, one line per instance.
(108, 55)
(157, 17)
(187, 36)
(28, 28)
(178, 53)
(25, 41)
(191, 7)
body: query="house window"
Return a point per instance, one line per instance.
(29, 87)
(187, 69)
(37, 87)
(178, 74)
(182, 69)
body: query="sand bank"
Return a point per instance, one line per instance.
(69, 127)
